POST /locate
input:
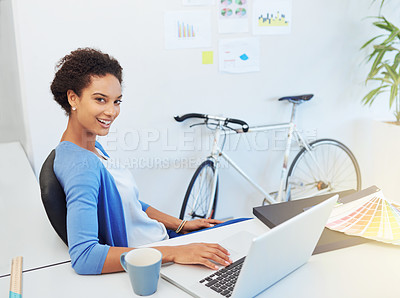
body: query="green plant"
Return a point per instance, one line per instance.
(385, 68)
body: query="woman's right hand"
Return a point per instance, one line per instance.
(197, 253)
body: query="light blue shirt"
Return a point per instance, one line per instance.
(95, 216)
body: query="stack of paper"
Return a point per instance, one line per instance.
(372, 217)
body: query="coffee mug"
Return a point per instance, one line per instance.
(143, 266)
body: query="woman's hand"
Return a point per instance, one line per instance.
(201, 253)
(197, 224)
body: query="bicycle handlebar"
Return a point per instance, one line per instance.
(245, 126)
(190, 115)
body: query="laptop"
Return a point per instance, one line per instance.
(259, 261)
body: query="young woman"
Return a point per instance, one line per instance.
(104, 216)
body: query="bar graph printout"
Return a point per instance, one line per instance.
(187, 29)
(372, 217)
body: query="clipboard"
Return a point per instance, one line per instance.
(275, 214)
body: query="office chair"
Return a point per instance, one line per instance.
(53, 197)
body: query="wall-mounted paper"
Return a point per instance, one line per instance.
(233, 16)
(198, 2)
(272, 17)
(239, 55)
(187, 29)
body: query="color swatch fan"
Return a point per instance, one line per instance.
(372, 217)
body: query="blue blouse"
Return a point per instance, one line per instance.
(95, 216)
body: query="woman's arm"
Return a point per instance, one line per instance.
(172, 223)
(195, 253)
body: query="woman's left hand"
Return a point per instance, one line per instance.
(197, 224)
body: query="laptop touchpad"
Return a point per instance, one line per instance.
(238, 244)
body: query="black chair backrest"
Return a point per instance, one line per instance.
(53, 197)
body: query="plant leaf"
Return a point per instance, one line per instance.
(371, 40)
(375, 52)
(376, 63)
(382, 80)
(383, 26)
(374, 72)
(392, 73)
(370, 97)
(396, 62)
(393, 94)
(386, 48)
(392, 36)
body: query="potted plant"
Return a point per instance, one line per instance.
(382, 141)
(385, 67)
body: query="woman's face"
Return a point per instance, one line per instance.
(98, 106)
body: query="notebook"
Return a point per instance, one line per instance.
(269, 258)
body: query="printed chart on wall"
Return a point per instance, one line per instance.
(272, 17)
(239, 55)
(373, 217)
(187, 29)
(233, 16)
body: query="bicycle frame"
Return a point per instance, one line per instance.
(217, 152)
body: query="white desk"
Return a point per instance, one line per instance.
(62, 282)
(25, 229)
(367, 270)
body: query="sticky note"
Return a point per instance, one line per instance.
(208, 57)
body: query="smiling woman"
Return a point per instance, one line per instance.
(95, 109)
(104, 215)
(88, 87)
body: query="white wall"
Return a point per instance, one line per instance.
(320, 56)
(12, 125)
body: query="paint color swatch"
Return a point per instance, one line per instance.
(372, 217)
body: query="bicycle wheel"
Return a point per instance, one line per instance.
(198, 195)
(330, 167)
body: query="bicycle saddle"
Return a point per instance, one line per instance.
(297, 98)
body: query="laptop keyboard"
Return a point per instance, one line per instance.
(223, 281)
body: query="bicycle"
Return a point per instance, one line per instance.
(321, 166)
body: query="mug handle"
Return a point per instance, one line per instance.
(123, 262)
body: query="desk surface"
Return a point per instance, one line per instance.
(366, 270)
(25, 229)
(63, 280)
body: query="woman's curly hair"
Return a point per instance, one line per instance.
(74, 72)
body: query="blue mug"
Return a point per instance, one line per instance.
(143, 266)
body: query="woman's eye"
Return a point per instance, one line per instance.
(118, 102)
(100, 99)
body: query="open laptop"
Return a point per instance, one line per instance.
(271, 257)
